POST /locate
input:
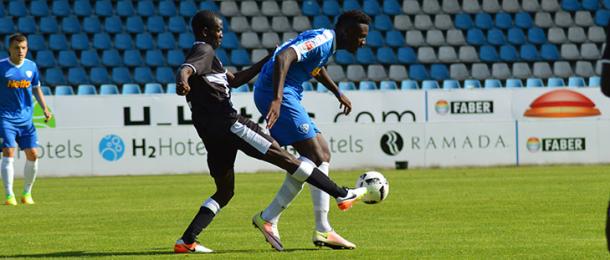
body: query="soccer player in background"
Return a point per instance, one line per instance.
(278, 94)
(19, 78)
(605, 84)
(206, 84)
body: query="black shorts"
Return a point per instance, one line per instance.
(222, 139)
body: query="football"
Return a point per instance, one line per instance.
(377, 186)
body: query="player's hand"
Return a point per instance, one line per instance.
(47, 115)
(274, 113)
(182, 88)
(345, 104)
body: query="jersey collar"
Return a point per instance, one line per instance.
(15, 65)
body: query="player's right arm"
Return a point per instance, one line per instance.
(182, 83)
(198, 62)
(283, 61)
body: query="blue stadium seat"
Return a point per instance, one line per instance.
(367, 85)
(523, 20)
(77, 75)
(67, 58)
(418, 72)
(82, 8)
(46, 90)
(307, 86)
(86, 89)
(483, 21)
(167, 8)
(371, 7)
(175, 57)
(121, 75)
(549, 52)
(451, 84)
(64, 90)
(439, 72)
(109, 89)
(488, 53)
(103, 8)
(124, 8)
(134, 24)
(144, 41)
(576, 82)
(383, 22)
(186, 40)
(570, 5)
(131, 89)
(321, 21)
(153, 88)
(229, 41)
(145, 8)
(223, 56)
(155, 24)
(385, 55)
(17, 8)
(463, 21)
(391, 7)
(3, 54)
(491, 83)
(241, 89)
(508, 53)
(347, 85)
(210, 6)
(6, 25)
(154, 58)
(26, 25)
(36, 42)
(365, 56)
(122, 41)
(99, 75)
(595, 81)
(240, 57)
(58, 42)
(113, 24)
(39, 8)
(409, 84)
(430, 84)
(516, 36)
(187, 8)
(504, 20)
(590, 5)
(388, 85)
(111, 58)
(176, 24)
(349, 5)
(529, 52)
(310, 8)
(331, 8)
(171, 88)
(165, 75)
(534, 83)
(344, 57)
(514, 83)
(555, 82)
(395, 39)
(472, 83)
(70, 24)
(48, 24)
(132, 58)
(45, 59)
(102, 41)
(475, 37)
(601, 17)
(166, 41)
(496, 37)
(536, 35)
(54, 76)
(375, 39)
(91, 24)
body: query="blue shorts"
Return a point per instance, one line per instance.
(23, 135)
(293, 124)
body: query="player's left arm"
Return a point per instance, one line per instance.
(43, 104)
(242, 77)
(323, 77)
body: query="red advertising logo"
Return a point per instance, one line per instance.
(562, 103)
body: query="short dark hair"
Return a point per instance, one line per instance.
(351, 18)
(16, 37)
(202, 19)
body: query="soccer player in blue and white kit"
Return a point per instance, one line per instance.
(277, 94)
(19, 78)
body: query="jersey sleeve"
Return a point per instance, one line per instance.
(200, 59)
(35, 77)
(313, 47)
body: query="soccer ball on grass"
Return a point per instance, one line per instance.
(377, 186)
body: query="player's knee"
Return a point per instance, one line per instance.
(325, 156)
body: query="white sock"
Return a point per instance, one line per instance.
(8, 174)
(287, 193)
(321, 203)
(29, 175)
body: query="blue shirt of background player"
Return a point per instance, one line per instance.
(16, 84)
(313, 49)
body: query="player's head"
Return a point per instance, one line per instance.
(207, 27)
(18, 47)
(351, 30)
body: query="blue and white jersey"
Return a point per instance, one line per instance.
(313, 49)
(16, 82)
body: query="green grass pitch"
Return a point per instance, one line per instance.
(550, 212)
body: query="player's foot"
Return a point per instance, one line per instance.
(331, 239)
(269, 231)
(352, 196)
(27, 199)
(180, 248)
(10, 200)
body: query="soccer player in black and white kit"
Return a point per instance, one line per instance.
(206, 84)
(605, 84)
